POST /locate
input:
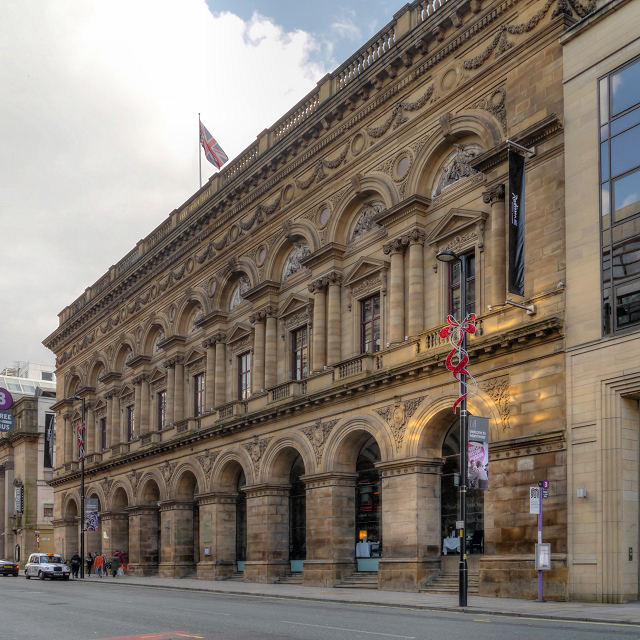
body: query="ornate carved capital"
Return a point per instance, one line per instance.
(317, 286)
(494, 194)
(140, 378)
(333, 278)
(258, 316)
(416, 236)
(398, 245)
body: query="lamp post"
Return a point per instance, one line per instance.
(81, 458)
(450, 257)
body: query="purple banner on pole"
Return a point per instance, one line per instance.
(515, 282)
(478, 453)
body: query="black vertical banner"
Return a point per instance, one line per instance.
(48, 440)
(516, 224)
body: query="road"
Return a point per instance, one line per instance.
(76, 610)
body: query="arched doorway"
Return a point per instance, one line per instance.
(71, 539)
(450, 492)
(241, 522)
(144, 531)
(368, 507)
(116, 525)
(297, 516)
(180, 528)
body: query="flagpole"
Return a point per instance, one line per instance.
(199, 152)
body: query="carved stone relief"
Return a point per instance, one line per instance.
(397, 414)
(318, 434)
(498, 390)
(365, 221)
(206, 461)
(300, 251)
(241, 288)
(256, 449)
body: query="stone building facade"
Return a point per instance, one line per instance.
(265, 382)
(602, 117)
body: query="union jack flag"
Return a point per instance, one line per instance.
(212, 150)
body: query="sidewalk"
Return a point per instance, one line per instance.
(576, 611)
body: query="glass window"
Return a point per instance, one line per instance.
(162, 410)
(624, 122)
(244, 376)
(625, 151)
(628, 309)
(131, 425)
(370, 324)
(626, 196)
(198, 394)
(47, 375)
(48, 512)
(300, 351)
(103, 434)
(625, 88)
(454, 285)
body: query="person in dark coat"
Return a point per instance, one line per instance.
(115, 565)
(75, 564)
(89, 562)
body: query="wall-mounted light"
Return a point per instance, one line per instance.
(581, 493)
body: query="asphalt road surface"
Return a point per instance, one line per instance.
(77, 610)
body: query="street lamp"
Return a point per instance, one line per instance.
(450, 257)
(81, 458)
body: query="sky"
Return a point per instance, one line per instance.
(99, 124)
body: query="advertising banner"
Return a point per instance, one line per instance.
(91, 514)
(478, 453)
(515, 206)
(48, 440)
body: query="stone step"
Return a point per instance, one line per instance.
(449, 583)
(291, 578)
(359, 580)
(237, 576)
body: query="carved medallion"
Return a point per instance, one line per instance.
(318, 434)
(397, 415)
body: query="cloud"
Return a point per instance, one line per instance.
(346, 27)
(99, 127)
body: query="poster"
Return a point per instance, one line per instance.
(478, 453)
(91, 514)
(48, 440)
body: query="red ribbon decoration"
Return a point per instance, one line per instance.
(454, 330)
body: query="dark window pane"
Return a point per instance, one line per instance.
(624, 122)
(626, 88)
(625, 151)
(455, 273)
(604, 100)
(628, 309)
(626, 196)
(604, 161)
(471, 266)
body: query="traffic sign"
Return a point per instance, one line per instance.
(545, 493)
(6, 399)
(7, 421)
(545, 484)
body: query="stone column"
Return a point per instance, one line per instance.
(177, 540)
(334, 316)
(144, 533)
(319, 353)
(267, 532)
(396, 289)
(178, 394)
(169, 365)
(221, 369)
(109, 399)
(218, 533)
(144, 420)
(257, 363)
(331, 543)
(271, 349)
(68, 439)
(415, 323)
(90, 430)
(498, 250)
(410, 523)
(210, 374)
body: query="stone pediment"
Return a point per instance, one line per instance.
(364, 269)
(454, 223)
(193, 355)
(157, 374)
(126, 390)
(295, 303)
(239, 331)
(100, 405)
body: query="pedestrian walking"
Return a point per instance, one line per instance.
(89, 563)
(98, 564)
(115, 564)
(75, 564)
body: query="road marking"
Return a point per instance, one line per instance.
(373, 633)
(480, 620)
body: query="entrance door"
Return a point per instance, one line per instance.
(368, 508)
(297, 517)
(241, 523)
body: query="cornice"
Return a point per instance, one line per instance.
(332, 251)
